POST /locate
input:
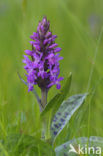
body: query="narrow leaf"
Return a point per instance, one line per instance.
(33, 91)
(64, 113)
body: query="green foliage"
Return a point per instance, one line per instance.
(78, 25)
(56, 101)
(52, 107)
(65, 112)
(17, 144)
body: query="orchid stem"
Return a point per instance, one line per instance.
(44, 93)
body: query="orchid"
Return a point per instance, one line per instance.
(43, 67)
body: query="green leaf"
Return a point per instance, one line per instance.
(64, 113)
(93, 141)
(17, 144)
(56, 101)
(3, 151)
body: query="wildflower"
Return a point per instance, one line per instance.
(43, 67)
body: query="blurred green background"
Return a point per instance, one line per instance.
(78, 24)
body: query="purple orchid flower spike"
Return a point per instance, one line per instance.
(43, 67)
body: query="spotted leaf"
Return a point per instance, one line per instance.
(64, 113)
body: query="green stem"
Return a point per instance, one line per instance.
(44, 93)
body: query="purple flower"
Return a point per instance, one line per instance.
(43, 66)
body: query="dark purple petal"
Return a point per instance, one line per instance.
(53, 45)
(30, 87)
(37, 47)
(32, 42)
(28, 52)
(32, 37)
(60, 79)
(58, 86)
(45, 41)
(57, 50)
(54, 36)
(48, 34)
